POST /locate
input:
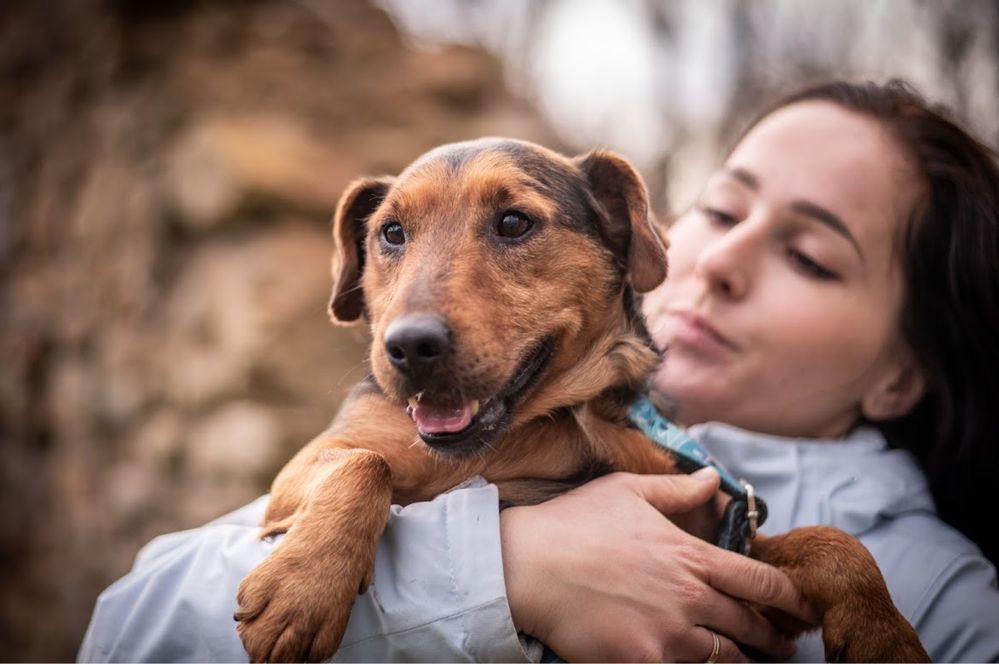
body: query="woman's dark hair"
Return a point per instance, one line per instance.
(950, 311)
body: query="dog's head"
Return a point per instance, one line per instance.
(486, 270)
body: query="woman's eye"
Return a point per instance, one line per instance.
(719, 217)
(513, 224)
(809, 266)
(393, 233)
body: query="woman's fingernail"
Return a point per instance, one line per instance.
(705, 474)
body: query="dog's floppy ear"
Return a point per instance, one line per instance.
(626, 223)
(358, 201)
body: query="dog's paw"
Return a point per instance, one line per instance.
(852, 635)
(292, 609)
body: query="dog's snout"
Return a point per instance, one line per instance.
(416, 344)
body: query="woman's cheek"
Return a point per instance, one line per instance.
(655, 305)
(832, 339)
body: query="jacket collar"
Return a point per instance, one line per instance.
(853, 483)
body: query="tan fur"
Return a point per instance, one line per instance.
(570, 282)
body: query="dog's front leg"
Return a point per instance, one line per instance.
(841, 580)
(333, 502)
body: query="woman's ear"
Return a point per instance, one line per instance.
(897, 392)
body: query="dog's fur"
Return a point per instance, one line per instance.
(551, 313)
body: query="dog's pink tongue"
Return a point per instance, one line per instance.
(441, 419)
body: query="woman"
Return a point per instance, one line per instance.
(834, 286)
(840, 269)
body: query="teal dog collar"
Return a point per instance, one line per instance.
(745, 512)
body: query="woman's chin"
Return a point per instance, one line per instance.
(689, 379)
(692, 403)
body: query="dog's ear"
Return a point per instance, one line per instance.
(360, 199)
(625, 217)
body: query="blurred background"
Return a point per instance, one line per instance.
(167, 174)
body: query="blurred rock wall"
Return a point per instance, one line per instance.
(167, 174)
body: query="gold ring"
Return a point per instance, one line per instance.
(715, 649)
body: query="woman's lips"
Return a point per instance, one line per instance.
(694, 330)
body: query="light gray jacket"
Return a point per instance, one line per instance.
(439, 595)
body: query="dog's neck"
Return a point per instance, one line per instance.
(563, 433)
(614, 368)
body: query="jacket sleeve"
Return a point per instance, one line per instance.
(958, 619)
(438, 591)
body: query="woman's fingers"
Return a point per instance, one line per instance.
(671, 494)
(707, 645)
(757, 582)
(729, 572)
(740, 623)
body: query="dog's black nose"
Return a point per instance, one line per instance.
(416, 344)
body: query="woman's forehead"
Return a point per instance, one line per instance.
(838, 159)
(819, 136)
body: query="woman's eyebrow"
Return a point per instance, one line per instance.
(743, 176)
(804, 208)
(828, 219)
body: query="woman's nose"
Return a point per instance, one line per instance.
(727, 262)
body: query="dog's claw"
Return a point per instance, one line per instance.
(294, 608)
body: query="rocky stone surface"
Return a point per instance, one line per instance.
(167, 173)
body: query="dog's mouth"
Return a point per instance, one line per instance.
(465, 428)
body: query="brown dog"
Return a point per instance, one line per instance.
(498, 279)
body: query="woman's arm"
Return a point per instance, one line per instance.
(599, 574)
(438, 591)
(958, 619)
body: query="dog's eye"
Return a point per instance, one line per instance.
(393, 233)
(513, 224)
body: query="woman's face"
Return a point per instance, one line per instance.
(780, 313)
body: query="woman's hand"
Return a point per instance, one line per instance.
(600, 574)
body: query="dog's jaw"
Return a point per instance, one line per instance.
(494, 414)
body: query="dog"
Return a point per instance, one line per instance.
(499, 280)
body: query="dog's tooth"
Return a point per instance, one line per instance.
(414, 401)
(475, 407)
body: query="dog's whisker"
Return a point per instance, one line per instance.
(350, 370)
(355, 289)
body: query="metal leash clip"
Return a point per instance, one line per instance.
(752, 513)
